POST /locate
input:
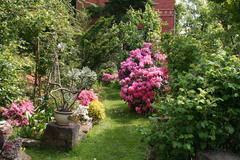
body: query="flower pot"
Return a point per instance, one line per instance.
(63, 118)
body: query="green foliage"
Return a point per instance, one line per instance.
(226, 14)
(230, 8)
(108, 67)
(182, 51)
(96, 110)
(43, 33)
(112, 42)
(37, 123)
(10, 70)
(81, 79)
(203, 109)
(99, 41)
(39, 27)
(119, 8)
(215, 24)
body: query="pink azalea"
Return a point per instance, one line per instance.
(109, 77)
(16, 113)
(140, 77)
(147, 45)
(86, 97)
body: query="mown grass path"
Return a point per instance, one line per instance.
(117, 137)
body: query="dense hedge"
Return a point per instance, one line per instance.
(203, 108)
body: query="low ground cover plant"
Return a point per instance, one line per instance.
(96, 110)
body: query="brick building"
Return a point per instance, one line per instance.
(165, 8)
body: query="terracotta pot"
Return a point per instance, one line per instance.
(63, 118)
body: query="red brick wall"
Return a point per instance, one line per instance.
(167, 13)
(165, 8)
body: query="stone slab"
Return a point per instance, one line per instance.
(217, 155)
(23, 156)
(29, 143)
(65, 137)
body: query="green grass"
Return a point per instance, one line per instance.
(117, 137)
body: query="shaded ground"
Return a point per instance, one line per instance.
(116, 138)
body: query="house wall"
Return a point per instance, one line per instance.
(167, 13)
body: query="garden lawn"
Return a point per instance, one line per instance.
(117, 137)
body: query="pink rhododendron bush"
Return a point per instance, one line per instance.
(107, 78)
(86, 97)
(18, 112)
(141, 76)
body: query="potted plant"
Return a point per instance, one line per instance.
(64, 100)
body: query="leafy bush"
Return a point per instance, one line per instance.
(82, 79)
(141, 75)
(112, 42)
(10, 70)
(44, 33)
(37, 122)
(203, 109)
(108, 67)
(96, 110)
(119, 8)
(182, 51)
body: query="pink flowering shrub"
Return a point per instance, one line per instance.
(18, 112)
(86, 97)
(107, 78)
(141, 75)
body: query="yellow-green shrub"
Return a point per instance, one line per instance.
(96, 110)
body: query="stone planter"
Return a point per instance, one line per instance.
(63, 118)
(65, 137)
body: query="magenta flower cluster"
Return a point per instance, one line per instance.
(18, 112)
(107, 78)
(141, 75)
(86, 97)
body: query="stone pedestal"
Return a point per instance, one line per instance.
(214, 155)
(65, 137)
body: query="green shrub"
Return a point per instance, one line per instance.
(109, 41)
(204, 109)
(81, 79)
(118, 8)
(10, 70)
(108, 67)
(37, 123)
(96, 110)
(182, 51)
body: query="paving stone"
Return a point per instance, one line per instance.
(217, 155)
(23, 156)
(29, 143)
